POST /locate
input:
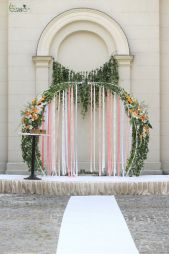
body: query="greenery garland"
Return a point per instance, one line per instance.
(106, 76)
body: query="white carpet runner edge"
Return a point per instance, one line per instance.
(94, 225)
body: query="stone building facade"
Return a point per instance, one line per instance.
(33, 32)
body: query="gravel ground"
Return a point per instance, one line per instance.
(29, 224)
(148, 220)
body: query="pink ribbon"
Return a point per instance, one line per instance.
(127, 137)
(43, 142)
(69, 132)
(109, 146)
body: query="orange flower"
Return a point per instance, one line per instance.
(34, 110)
(129, 99)
(27, 113)
(43, 98)
(34, 116)
(143, 118)
(135, 113)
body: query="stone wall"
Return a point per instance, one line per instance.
(164, 79)
(3, 83)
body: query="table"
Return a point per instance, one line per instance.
(34, 137)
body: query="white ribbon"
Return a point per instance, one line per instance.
(115, 134)
(103, 130)
(76, 129)
(94, 129)
(63, 135)
(58, 136)
(46, 137)
(53, 134)
(72, 132)
(122, 139)
(91, 129)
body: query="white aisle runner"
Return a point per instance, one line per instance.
(94, 225)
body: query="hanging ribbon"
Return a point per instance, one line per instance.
(46, 138)
(122, 139)
(118, 139)
(43, 142)
(63, 135)
(53, 137)
(69, 132)
(108, 121)
(49, 141)
(94, 129)
(127, 139)
(117, 127)
(115, 134)
(100, 135)
(58, 135)
(76, 135)
(112, 134)
(91, 129)
(66, 131)
(72, 132)
(103, 130)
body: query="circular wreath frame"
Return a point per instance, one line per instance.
(32, 118)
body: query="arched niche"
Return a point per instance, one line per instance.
(72, 27)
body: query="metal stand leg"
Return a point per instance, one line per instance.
(32, 175)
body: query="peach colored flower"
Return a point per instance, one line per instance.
(129, 100)
(34, 110)
(27, 113)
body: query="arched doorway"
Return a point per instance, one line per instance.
(73, 31)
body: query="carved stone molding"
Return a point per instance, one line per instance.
(94, 17)
(42, 61)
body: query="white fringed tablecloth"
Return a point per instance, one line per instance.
(86, 185)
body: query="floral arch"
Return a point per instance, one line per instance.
(102, 80)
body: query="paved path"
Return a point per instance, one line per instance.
(29, 224)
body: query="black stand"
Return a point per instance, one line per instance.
(32, 175)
